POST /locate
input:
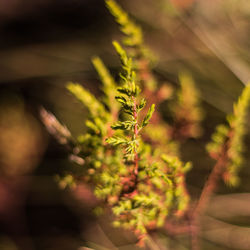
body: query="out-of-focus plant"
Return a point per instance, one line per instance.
(130, 155)
(187, 110)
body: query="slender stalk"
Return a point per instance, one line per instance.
(136, 131)
(133, 180)
(207, 191)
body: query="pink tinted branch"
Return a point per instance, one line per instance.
(207, 191)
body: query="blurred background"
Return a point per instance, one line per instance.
(43, 45)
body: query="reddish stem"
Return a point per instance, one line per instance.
(136, 135)
(131, 183)
(207, 192)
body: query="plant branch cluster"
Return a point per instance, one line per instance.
(130, 154)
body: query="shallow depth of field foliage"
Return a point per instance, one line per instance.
(147, 108)
(131, 155)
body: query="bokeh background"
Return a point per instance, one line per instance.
(43, 45)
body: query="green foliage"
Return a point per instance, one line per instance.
(186, 109)
(178, 171)
(129, 153)
(228, 139)
(148, 116)
(133, 33)
(141, 186)
(95, 108)
(127, 98)
(109, 85)
(237, 123)
(117, 140)
(141, 205)
(134, 41)
(129, 176)
(219, 138)
(66, 181)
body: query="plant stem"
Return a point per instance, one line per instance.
(136, 131)
(207, 192)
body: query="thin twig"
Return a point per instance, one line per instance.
(136, 131)
(207, 191)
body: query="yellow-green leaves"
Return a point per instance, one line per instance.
(105, 76)
(94, 106)
(175, 164)
(145, 205)
(129, 89)
(117, 140)
(133, 33)
(128, 98)
(178, 170)
(128, 76)
(126, 125)
(109, 85)
(141, 105)
(133, 40)
(219, 138)
(65, 181)
(230, 138)
(122, 53)
(148, 116)
(140, 184)
(186, 109)
(238, 126)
